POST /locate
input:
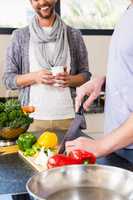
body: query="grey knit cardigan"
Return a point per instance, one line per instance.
(17, 59)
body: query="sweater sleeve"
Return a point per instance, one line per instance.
(82, 57)
(12, 62)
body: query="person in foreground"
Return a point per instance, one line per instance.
(119, 96)
(34, 51)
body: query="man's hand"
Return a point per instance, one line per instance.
(63, 79)
(40, 77)
(92, 89)
(67, 80)
(118, 139)
(95, 146)
(44, 77)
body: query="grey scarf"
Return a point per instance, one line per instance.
(39, 38)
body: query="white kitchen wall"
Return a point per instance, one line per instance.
(4, 40)
(97, 47)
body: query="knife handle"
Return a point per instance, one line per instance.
(81, 109)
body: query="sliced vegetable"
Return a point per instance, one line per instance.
(36, 147)
(26, 140)
(29, 152)
(83, 156)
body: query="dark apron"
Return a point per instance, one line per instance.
(122, 159)
(126, 154)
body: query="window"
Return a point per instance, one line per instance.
(14, 13)
(88, 15)
(92, 14)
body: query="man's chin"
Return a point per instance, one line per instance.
(46, 15)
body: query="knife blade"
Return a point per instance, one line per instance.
(75, 129)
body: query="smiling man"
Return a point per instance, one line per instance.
(44, 9)
(33, 52)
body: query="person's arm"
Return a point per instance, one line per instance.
(76, 80)
(11, 62)
(13, 77)
(67, 80)
(25, 80)
(121, 137)
(39, 77)
(118, 139)
(79, 73)
(81, 54)
(92, 89)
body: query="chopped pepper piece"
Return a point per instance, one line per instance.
(29, 152)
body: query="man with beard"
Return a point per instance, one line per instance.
(119, 96)
(34, 50)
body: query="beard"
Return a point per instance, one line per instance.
(46, 14)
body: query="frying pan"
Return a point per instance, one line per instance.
(80, 182)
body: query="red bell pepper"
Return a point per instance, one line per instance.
(59, 160)
(83, 156)
(75, 157)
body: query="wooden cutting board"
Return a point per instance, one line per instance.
(31, 161)
(8, 150)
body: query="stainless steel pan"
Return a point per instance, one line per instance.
(79, 182)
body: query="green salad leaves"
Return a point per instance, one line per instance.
(11, 115)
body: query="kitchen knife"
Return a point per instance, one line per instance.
(74, 130)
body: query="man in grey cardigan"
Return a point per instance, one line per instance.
(33, 52)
